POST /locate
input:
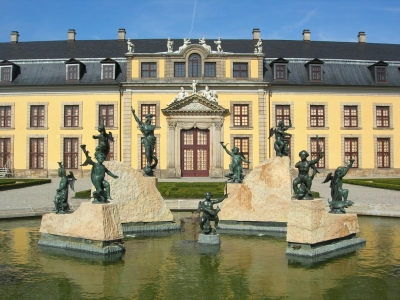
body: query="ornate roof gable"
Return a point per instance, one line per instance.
(194, 105)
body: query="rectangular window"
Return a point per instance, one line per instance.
(179, 69)
(149, 69)
(350, 116)
(317, 115)
(380, 74)
(316, 73)
(282, 113)
(351, 150)
(382, 116)
(240, 70)
(106, 113)
(71, 150)
(5, 116)
(383, 153)
(108, 71)
(37, 115)
(148, 109)
(243, 144)
(241, 115)
(209, 69)
(72, 72)
(315, 151)
(6, 74)
(36, 153)
(5, 152)
(280, 72)
(71, 115)
(143, 161)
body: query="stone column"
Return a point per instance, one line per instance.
(216, 169)
(127, 128)
(171, 172)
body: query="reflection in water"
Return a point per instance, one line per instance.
(173, 266)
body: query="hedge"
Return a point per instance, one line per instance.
(20, 183)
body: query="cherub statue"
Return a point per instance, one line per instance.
(338, 193)
(61, 197)
(149, 142)
(186, 43)
(258, 46)
(131, 46)
(281, 145)
(209, 213)
(104, 140)
(303, 179)
(102, 193)
(170, 45)
(219, 46)
(194, 86)
(235, 168)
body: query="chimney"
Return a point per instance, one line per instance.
(306, 35)
(362, 37)
(71, 35)
(14, 37)
(121, 34)
(256, 33)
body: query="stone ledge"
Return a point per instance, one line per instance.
(209, 239)
(150, 227)
(252, 228)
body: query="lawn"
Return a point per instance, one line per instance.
(16, 183)
(381, 183)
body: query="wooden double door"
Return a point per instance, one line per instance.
(195, 152)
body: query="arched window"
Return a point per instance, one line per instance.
(194, 65)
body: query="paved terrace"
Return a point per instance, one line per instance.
(38, 200)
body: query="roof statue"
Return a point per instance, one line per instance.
(194, 87)
(258, 46)
(170, 46)
(203, 43)
(218, 43)
(186, 43)
(131, 46)
(181, 95)
(210, 95)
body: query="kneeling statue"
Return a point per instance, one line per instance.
(209, 213)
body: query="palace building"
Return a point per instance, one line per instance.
(54, 94)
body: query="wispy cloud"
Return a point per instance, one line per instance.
(390, 9)
(194, 13)
(302, 22)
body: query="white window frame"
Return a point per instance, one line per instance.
(66, 71)
(11, 73)
(102, 71)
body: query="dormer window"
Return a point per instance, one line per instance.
(7, 71)
(314, 68)
(379, 71)
(279, 67)
(73, 70)
(108, 69)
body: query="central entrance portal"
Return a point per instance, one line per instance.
(195, 150)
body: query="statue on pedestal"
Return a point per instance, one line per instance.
(235, 168)
(219, 46)
(209, 213)
(281, 145)
(194, 87)
(170, 45)
(97, 176)
(149, 142)
(303, 179)
(338, 194)
(61, 198)
(104, 140)
(131, 46)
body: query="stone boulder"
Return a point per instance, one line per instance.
(264, 195)
(136, 197)
(310, 223)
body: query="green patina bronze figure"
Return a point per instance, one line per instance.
(281, 145)
(339, 195)
(61, 198)
(104, 140)
(102, 192)
(149, 142)
(209, 213)
(303, 192)
(235, 168)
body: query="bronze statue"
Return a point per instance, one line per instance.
(97, 175)
(104, 140)
(303, 192)
(149, 142)
(281, 145)
(209, 213)
(61, 198)
(235, 168)
(338, 194)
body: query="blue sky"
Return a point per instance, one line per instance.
(329, 20)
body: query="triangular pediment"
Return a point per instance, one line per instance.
(194, 105)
